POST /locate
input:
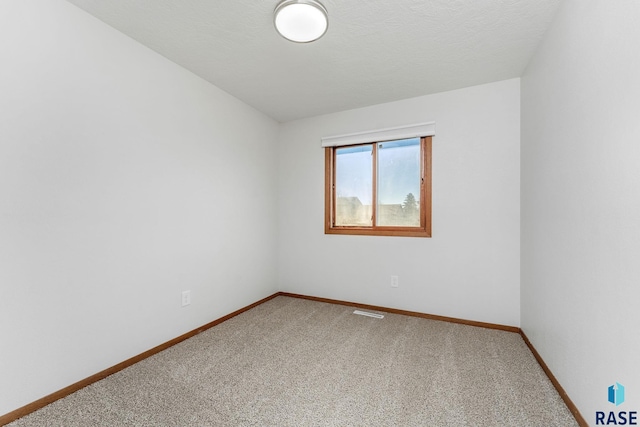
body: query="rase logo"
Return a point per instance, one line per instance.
(615, 395)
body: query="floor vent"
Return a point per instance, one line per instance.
(365, 313)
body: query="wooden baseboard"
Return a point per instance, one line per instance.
(407, 313)
(563, 394)
(41, 403)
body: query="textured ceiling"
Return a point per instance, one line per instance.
(374, 51)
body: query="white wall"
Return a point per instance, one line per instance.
(470, 267)
(124, 179)
(581, 201)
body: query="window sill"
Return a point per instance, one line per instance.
(378, 231)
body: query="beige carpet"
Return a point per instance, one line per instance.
(293, 362)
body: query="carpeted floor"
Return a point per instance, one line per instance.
(294, 362)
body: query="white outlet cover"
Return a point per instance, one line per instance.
(186, 298)
(394, 281)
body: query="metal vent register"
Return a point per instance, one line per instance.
(366, 313)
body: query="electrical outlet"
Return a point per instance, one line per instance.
(394, 281)
(186, 298)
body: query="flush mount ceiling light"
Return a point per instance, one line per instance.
(301, 21)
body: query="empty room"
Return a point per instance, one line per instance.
(231, 213)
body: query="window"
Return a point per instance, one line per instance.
(381, 188)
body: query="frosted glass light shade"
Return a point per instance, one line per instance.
(301, 21)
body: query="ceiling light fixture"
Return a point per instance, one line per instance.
(301, 21)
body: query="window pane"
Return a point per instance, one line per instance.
(354, 186)
(398, 201)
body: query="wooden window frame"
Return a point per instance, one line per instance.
(424, 230)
